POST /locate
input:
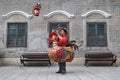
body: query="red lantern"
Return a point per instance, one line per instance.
(36, 10)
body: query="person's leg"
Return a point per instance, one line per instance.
(63, 67)
(59, 71)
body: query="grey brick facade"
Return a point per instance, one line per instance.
(37, 35)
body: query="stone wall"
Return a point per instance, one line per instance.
(38, 26)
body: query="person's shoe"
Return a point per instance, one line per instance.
(63, 72)
(58, 72)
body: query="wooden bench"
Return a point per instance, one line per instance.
(35, 57)
(100, 56)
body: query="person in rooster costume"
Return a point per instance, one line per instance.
(60, 52)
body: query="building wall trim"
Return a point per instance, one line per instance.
(103, 13)
(9, 14)
(59, 12)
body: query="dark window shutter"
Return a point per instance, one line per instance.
(96, 34)
(17, 35)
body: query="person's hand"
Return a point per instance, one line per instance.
(53, 37)
(57, 33)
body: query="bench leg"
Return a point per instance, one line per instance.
(114, 63)
(49, 64)
(86, 63)
(22, 63)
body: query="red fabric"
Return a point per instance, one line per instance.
(51, 35)
(63, 42)
(50, 42)
(60, 54)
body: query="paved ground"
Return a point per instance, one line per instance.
(73, 73)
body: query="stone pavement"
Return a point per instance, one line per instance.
(48, 73)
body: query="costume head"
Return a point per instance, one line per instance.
(53, 37)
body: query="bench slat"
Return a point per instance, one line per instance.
(34, 57)
(100, 56)
(100, 59)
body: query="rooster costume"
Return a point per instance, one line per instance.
(63, 53)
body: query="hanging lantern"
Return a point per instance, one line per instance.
(36, 9)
